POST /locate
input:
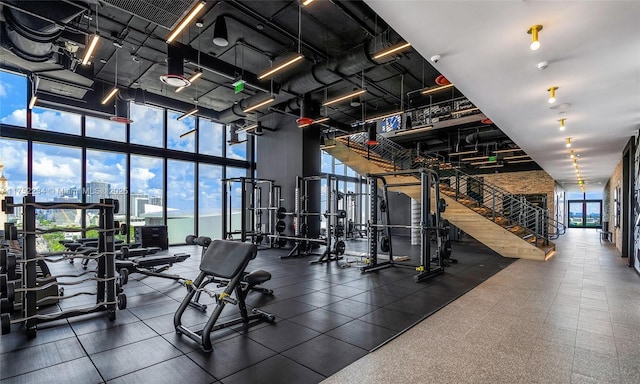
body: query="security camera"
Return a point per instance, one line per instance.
(435, 58)
(543, 65)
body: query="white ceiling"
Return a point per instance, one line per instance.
(593, 50)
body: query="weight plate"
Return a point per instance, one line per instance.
(340, 248)
(384, 244)
(3, 259)
(191, 239)
(442, 205)
(342, 214)
(281, 213)
(4, 281)
(282, 243)
(259, 239)
(304, 229)
(280, 226)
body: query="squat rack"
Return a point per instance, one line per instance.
(429, 222)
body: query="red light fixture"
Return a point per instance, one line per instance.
(372, 139)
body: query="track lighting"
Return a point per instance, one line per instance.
(194, 11)
(436, 89)
(282, 66)
(391, 50)
(260, 104)
(92, 46)
(109, 96)
(185, 115)
(552, 94)
(220, 36)
(562, 124)
(345, 97)
(533, 31)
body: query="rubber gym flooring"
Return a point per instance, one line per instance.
(327, 317)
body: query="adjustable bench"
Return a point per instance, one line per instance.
(227, 260)
(150, 266)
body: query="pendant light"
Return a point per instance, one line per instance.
(117, 118)
(220, 35)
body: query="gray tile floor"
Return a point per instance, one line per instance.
(572, 319)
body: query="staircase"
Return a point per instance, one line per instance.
(508, 224)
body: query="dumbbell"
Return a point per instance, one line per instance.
(8, 264)
(203, 241)
(190, 239)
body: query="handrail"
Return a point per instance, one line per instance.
(513, 211)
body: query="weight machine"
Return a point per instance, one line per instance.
(430, 223)
(109, 294)
(334, 238)
(253, 225)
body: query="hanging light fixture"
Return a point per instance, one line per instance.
(533, 31)
(568, 144)
(35, 81)
(356, 92)
(113, 92)
(260, 104)
(371, 135)
(306, 111)
(187, 19)
(390, 50)
(552, 94)
(572, 155)
(292, 60)
(562, 124)
(93, 43)
(436, 89)
(306, 2)
(175, 63)
(220, 36)
(187, 114)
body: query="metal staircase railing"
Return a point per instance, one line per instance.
(512, 211)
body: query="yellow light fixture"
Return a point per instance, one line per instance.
(568, 144)
(414, 130)
(552, 94)
(321, 120)
(562, 124)
(390, 50)
(194, 11)
(521, 161)
(196, 75)
(507, 150)
(516, 157)
(191, 112)
(436, 89)
(572, 155)
(92, 46)
(484, 162)
(463, 153)
(382, 116)
(492, 166)
(260, 104)
(307, 2)
(109, 96)
(474, 158)
(533, 31)
(575, 163)
(32, 101)
(282, 66)
(345, 97)
(465, 110)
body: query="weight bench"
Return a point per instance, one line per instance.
(150, 266)
(227, 260)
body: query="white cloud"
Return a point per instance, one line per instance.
(3, 90)
(142, 174)
(17, 117)
(46, 167)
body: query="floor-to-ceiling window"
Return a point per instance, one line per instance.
(149, 165)
(585, 210)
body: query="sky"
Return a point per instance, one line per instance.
(58, 169)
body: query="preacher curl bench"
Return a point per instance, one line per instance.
(227, 260)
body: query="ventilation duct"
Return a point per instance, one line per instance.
(30, 37)
(140, 96)
(328, 72)
(485, 135)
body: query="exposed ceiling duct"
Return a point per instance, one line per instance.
(32, 34)
(320, 75)
(484, 135)
(140, 96)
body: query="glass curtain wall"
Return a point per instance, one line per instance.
(127, 162)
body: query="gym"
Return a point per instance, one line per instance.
(314, 191)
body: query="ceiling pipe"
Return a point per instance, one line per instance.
(140, 96)
(485, 135)
(31, 37)
(321, 74)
